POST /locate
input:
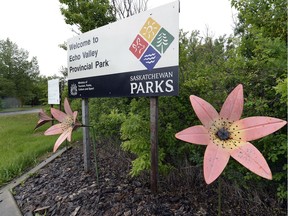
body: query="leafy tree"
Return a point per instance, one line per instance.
(266, 16)
(7, 88)
(18, 74)
(260, 63)
(87, 14)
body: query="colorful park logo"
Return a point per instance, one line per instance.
(152, 42)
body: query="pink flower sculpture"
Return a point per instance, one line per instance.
(226, 135)
(43, 118)
(67, 124)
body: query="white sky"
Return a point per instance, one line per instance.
(38, 26)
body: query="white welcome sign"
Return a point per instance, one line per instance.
(136, 56)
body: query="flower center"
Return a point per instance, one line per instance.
(67, 123)
(223, 134)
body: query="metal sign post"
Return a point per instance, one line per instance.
(86, 139)
(154, 143)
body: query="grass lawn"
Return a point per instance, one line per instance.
(20, 146)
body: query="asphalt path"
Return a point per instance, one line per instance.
(20, 112)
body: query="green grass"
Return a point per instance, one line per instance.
(20, 146)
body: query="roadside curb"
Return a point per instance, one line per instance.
(8, 206)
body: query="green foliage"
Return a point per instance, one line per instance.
(135, 133)
(266, 16)
(281, 89)
(260, 62)
(110, 125)
(87, 15)
(7, 87)
(18, 74)
(107, 115)
(136, 139)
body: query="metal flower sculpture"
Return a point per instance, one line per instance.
(226, 135)
(67, 124)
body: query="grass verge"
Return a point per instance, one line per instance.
(20, 146)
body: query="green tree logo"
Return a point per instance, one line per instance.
(162, 40)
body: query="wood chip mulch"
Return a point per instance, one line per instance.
(63, 188)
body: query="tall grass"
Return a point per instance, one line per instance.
(20, 146)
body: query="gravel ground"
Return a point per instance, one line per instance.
(63, 188)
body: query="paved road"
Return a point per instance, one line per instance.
(20, 112)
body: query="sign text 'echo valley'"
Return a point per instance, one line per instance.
(85, 55)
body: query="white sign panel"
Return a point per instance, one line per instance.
(136, 56)
(53, 91)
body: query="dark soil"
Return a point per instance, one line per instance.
(63, 188)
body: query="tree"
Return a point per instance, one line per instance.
(17, 73)
(126, 8)
(266, 16)
(260, 63)
(87, 14)
(7, 87)
(91, 14)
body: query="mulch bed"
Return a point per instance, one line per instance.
(63, 188)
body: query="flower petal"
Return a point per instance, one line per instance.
(204, 110)
(75, 113)
(67, 107)
(250, 157)
(43, 116)
(215, 160)
(62, 138)
(233, 106)
(196, 134)
(69, 137)
(55, 129)
(253, 128)
(40, 123)
(59, 115)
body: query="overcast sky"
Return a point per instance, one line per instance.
(38, 26)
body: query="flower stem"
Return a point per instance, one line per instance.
(219, 197)
(66, 145)
(94, 151)
(95, 156)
